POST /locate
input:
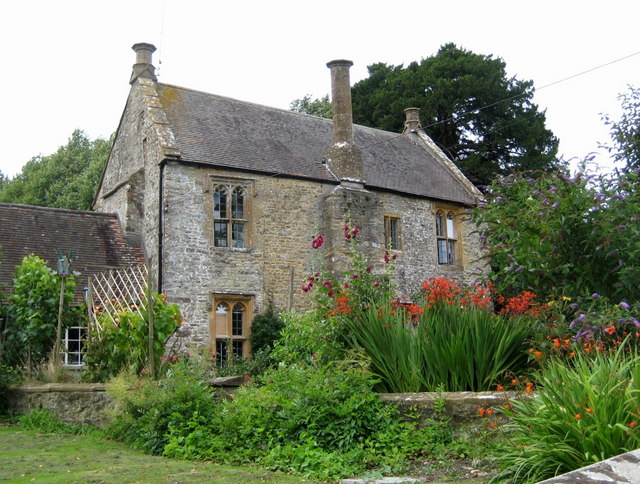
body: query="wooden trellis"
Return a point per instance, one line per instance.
(117, 290)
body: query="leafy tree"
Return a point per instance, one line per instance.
(67, 178)
(625, 132)
(316, 107)
(485, 122)
(3, 181)
(564, 236)
(30, 330)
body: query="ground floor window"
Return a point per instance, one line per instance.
(73, 342)
(230, 327)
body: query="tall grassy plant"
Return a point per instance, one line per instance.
(586, 411)
(469, 349)
(460, 349)
(395, 351)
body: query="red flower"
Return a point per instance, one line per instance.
(610, 330)
(317, 242)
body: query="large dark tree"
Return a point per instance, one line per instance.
(67, 178)
(483, 120)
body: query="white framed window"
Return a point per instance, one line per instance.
(447, 237)
(73, 345)
(230, 328)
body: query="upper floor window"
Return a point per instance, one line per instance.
(447, 238)
(392, 232)
(229, 216)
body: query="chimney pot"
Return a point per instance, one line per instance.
(412, 120)
(144, 62)
(345, 158)
(341, 101)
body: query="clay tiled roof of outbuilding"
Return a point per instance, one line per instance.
(96, 239)
(225, 132)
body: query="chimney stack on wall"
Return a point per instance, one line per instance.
(344, 158)
(144, 62)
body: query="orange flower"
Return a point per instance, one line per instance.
(489, 412)
(588, 410)
(632, 424)
(499, 388)
(493, 425)
(529, 387)
(481, 411)
(578, 416)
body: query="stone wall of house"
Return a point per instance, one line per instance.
(283, 216)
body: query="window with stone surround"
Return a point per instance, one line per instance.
(447, 237)
(229, 215)
(230, 327)
(392, 232)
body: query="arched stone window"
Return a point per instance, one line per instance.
(229, 211)
(229, 328)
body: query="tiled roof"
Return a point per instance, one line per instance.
(226, 132)
(96, 239)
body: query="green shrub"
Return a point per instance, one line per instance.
(317, 421)
(122, 343)
(147, 409)
(306, 337)
(30, 329)
(586, 411)
(46, 421)
(265, 330)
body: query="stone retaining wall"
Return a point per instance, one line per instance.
(89, 404)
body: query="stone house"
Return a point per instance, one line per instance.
(226, 195)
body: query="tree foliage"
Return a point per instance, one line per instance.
(564, 236)
(30, 329)
(316, 107)
(67, 178)
(483, 120)
(625, 132)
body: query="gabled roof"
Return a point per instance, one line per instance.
(224, 132)
(96, 239)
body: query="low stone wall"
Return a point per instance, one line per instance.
(73, 403)
(461, 407)
(89, 404)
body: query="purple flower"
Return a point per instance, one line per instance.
(595, 295)
(635, 321)
(624, 305)
(555, 205)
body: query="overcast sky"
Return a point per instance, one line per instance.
(66, 63)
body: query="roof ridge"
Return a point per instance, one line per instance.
(57, 209)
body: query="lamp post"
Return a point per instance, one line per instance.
(64, 269)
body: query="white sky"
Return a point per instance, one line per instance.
(66, 63)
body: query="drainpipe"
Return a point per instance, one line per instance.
(161, 223)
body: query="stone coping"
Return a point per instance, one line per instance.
(619, 469)
(59, 387)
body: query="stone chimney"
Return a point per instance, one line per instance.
(143, 66)
(344, 157)
(412, 120)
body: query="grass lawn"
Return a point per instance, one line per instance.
(28, 456)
